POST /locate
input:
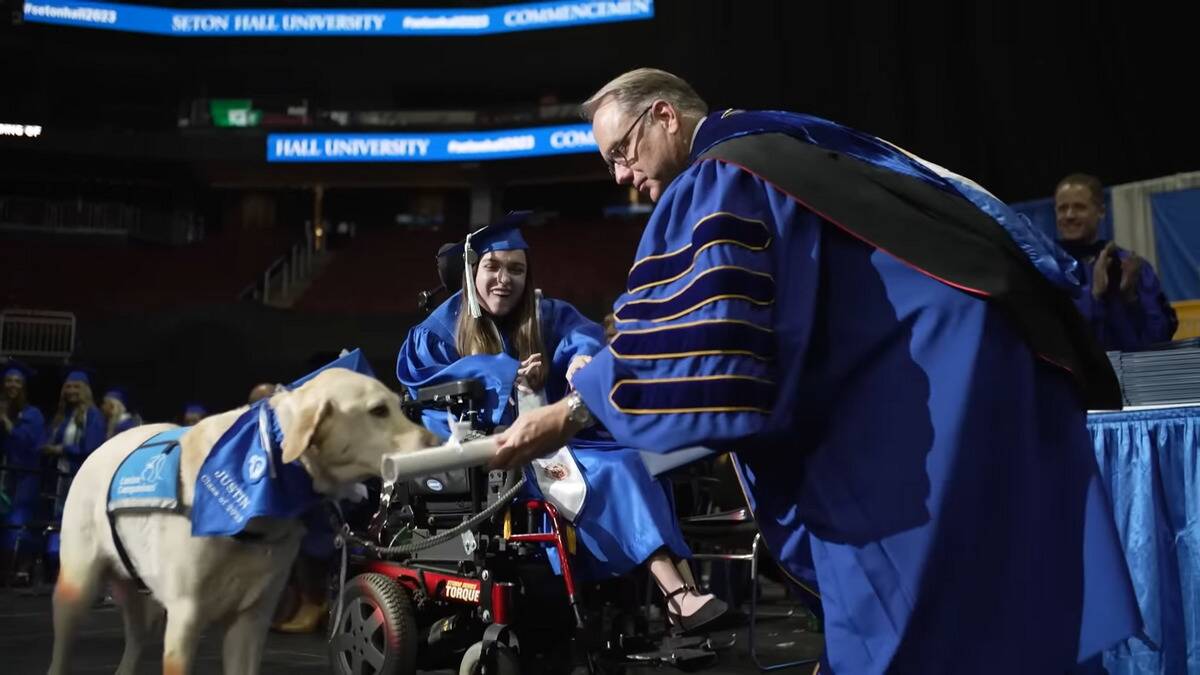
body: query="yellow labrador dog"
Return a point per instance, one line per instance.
(337, 426)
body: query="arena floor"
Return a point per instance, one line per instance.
(26, 635)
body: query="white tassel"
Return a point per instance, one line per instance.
(472, 296)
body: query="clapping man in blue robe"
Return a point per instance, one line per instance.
(1121, 298)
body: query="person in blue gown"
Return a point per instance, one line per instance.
(117, 415)
(1120, 297)
(21, 430)
(192, 413)
(76, 430)
(499, 330)
(893, 356)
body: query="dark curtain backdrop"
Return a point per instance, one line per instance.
(1014, 94)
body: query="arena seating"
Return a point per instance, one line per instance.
(383, 270)
(127, 277)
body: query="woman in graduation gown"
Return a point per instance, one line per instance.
(118, 417)
(77, 429)
(498, 330)
(21, 430)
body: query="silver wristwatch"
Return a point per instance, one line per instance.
(577, 411)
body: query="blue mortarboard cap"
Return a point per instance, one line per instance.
(194, 407)
(15, 367)
(502, 235)
(79, 374)
(350, 360)
(118, 393)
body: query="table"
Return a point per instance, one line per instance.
(1150, 462)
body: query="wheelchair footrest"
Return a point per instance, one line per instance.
(675, 651)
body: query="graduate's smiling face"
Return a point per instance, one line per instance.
(72, 392)
(1078, 213)
(646, 148)
(500, 281)
(13, 385)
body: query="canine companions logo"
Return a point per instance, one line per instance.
(256, 466)
(153, 471)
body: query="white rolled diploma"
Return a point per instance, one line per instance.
(399, 466)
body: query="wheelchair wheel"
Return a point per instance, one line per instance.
(504, 661)
(377, 631)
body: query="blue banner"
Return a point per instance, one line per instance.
(1177, 242)
(466, 146)
(334, 22)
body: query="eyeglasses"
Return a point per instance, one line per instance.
(616, 156)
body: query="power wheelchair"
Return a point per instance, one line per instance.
(454, 569)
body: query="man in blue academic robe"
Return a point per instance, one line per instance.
(894, 358)
(1121, 298)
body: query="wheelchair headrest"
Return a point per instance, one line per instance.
(450, 274)
(449, 268)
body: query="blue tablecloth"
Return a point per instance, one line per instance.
(1150, 460)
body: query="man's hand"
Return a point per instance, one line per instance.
(575, 366)
(1131, 272)
(530, 375)
(1100, 271)
(536, 433)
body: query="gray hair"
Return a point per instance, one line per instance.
(639, 88)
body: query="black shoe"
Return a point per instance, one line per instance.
(709, 612)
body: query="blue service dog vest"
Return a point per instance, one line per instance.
(243, 477)
(149, 477)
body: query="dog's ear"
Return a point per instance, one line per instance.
(300, 430)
